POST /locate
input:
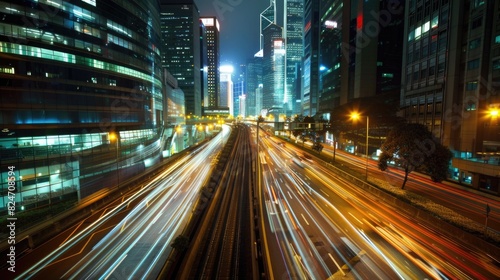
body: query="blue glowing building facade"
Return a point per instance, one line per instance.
(81, 96)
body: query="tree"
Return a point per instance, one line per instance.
(414, 147)
(180, 243)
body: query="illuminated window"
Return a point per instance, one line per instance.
(478, 3)
(7, 70)
(496, 64)
(434, 23)
(426, 27)
(473, 44)
(411, 36)
(418, 32)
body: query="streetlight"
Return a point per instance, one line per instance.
(357, 116)
(114, 137)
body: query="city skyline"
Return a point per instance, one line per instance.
(239, 27)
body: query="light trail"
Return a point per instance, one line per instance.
(140, 243)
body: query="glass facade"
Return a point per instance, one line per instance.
(294, 22)
(80, 96)
(181, 48)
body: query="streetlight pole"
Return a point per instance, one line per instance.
(114, 136)
(356, 116)
(334, 147)
(117, 161)
(366, 147)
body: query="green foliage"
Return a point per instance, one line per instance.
(413, 147)
(437, 164)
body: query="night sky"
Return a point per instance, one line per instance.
(239, 21)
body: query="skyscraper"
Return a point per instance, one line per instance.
(267, 17)
(239, 91)
(213, 59)
(253, 80)
(273, 70)
(330, 56)
(180, 31)
(451, 80)
(226, 88)
(81, 90)
(293, 23)
(372, 36)
(204, 65)
(310, 64)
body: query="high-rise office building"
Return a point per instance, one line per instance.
(451, 80)
(372, 36)
(204, 65)
(272, 69)
(226, 97)
(213, 59)
(293, 27)
(267, 17)
(330, 56)
(239, 90)
(253, 80)
(279, 70)
(81, 94)
(242, 108)
(297, 90)
(180, 31)
(310, 60)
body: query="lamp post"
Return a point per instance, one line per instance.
(357, 116)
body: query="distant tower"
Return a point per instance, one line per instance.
(239, 90)
(253, 80)
(293, 32)
(273, 69)
(227, 88)
(213, 58)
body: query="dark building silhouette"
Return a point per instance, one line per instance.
(180, 49)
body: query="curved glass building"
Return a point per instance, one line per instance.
(81, 104)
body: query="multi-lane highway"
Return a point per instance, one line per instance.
(137, 246)
(465, 201)
(318, 225)
(313, 225)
